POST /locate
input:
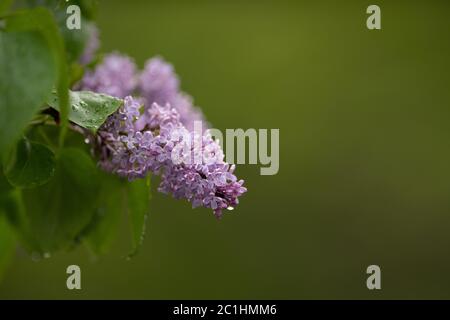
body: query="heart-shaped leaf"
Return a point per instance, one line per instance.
(103, 228)
(56, 213)
(31, 165)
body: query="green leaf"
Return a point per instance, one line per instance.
(138, 198)
(32, 164)
(55, 213)
(42, 20)
(103, 228)
(28, 73)
(7, 244)
(117, 196)
(88, 109)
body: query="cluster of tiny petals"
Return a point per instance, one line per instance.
(143, 135)
(115, 76)
(132, 144)
(158, 83)
(211, 184)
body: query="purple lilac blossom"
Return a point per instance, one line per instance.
(115, 76)
(158, 83)
(132, 148)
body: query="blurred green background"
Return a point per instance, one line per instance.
(364, 155)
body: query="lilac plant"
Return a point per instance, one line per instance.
(138, 123)
(148, 132)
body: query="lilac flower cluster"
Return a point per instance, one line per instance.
(162, 145)
(154, 134)
(157, 83)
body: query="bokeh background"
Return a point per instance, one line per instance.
(364, 155)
